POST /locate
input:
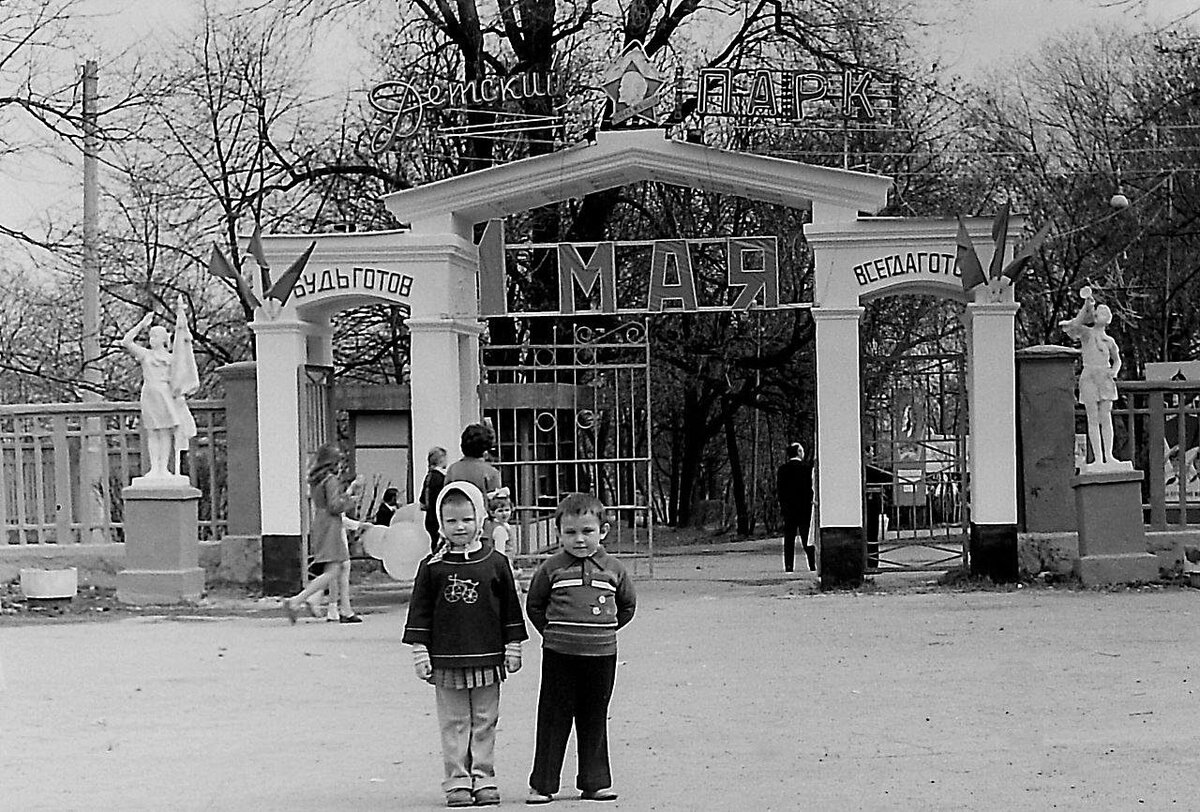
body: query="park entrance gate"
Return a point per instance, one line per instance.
(435, 269)
(571, 410)
(914, 462)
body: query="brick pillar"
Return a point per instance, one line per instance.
(1046, 438)
(241, 452)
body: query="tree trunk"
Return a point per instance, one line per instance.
(693, 441)
(735, 469)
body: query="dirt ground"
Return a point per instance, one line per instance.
(739, 688)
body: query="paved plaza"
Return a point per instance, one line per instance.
(739, 688)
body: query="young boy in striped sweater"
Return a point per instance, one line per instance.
(577, 600)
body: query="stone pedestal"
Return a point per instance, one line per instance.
(1112, 537)
(162, 553)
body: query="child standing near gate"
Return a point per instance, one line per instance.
(577, 600)
(500, 509)
(465, 627)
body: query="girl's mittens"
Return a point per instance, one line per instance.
(512, 663)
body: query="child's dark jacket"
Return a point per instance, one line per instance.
(464, 608)
(577, 604)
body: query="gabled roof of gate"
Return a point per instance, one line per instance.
(620, 158)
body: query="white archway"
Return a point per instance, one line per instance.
(431, 269)
(853, 263)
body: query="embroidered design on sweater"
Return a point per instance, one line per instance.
(460, 589)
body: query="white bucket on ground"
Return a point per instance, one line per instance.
(50, 583)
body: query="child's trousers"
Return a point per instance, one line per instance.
(468, 718)
(574, 689)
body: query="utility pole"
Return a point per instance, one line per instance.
(92, 501)
(91, 268)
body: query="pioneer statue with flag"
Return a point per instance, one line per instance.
(168, 376)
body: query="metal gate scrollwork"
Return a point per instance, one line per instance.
(571, 411)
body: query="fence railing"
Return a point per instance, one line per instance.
(1156, 425)
(63, 465)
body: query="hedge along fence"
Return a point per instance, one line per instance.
(63, 465)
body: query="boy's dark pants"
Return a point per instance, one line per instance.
(574, 689)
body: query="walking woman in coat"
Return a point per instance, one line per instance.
(327, 537)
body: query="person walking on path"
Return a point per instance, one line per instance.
(435, 478)
(794, 489)
(327, 537)
(578, 599)
(476, 441)
(465, 627)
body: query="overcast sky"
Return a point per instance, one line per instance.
(967, 36)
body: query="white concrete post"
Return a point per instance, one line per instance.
(281, 349)
(993, 413)
(444, 378)
(841, 547)
(992, 447)
(839, 428)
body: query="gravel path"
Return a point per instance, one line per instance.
(738, 689)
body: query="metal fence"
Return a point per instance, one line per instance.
(63, 465)
(1156, 425)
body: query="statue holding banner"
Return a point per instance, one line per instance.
(168, 375)
(1098, 380)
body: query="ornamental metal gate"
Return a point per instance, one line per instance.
(914, 461)
(570, 404)
(318, 426)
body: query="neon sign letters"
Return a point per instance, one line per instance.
(795, 95)
(403, 104)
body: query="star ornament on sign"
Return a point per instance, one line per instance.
(633, 84)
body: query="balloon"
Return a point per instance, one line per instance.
(401, 546)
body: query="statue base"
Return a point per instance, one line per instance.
(163, 481)
(1112, 537)
(1106, 467)
(162, 550)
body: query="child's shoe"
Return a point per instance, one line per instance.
(487, 796)
(459, 797)
(535, 797)
(605, 794)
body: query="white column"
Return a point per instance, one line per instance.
(993, 413)
(443, 377)
(839, 429)
(281, 349)
(468, 367)
(320, 342)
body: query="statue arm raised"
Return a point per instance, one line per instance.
(1077, 326)
(127, 340)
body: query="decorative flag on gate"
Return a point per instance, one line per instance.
(220, 266)
(1025, 255)
(968, 261)
(282, 289)
(999, 239)
(185, 378)
(256, 250)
